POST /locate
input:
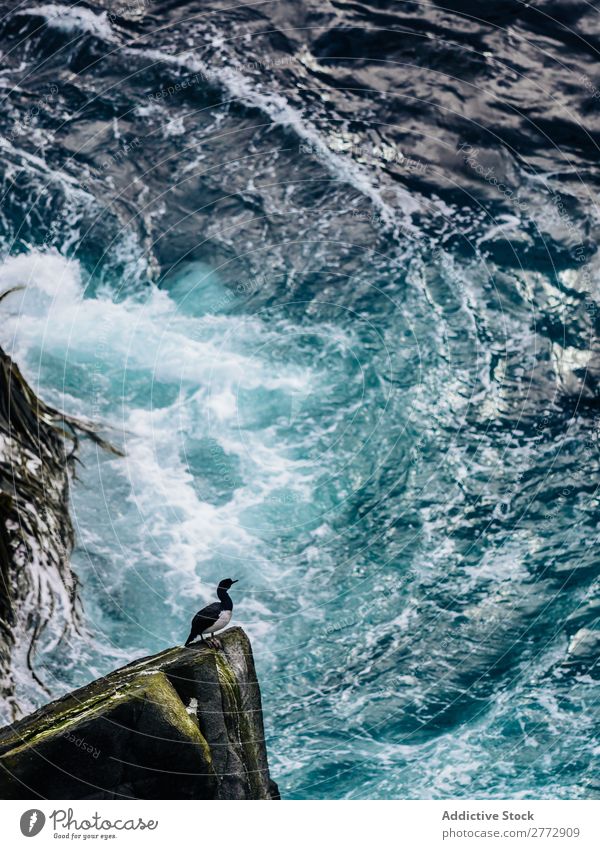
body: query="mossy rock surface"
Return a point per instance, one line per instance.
(183, 724)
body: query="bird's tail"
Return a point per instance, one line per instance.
(190, 638)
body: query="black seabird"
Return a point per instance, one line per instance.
(214, 617)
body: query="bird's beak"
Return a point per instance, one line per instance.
(235, 582)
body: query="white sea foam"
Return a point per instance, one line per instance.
(164, 531)
(246, 91)
(72, 19)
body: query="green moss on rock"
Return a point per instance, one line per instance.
(130, 735)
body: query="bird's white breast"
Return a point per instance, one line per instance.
(222, 622)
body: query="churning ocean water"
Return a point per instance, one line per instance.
(327, 273)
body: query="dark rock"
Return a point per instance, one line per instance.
(36, 533)
(184, 724)
(38, 447)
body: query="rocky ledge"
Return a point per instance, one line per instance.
(183, 724)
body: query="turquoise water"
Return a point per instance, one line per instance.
(328, 275)
(405, 625)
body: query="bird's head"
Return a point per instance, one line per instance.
(226, 583)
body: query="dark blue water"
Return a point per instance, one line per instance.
(329, 273)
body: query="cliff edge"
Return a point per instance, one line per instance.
(38, 590)
(183, 724)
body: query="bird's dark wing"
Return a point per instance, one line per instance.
(204, 619)
(207, 616)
